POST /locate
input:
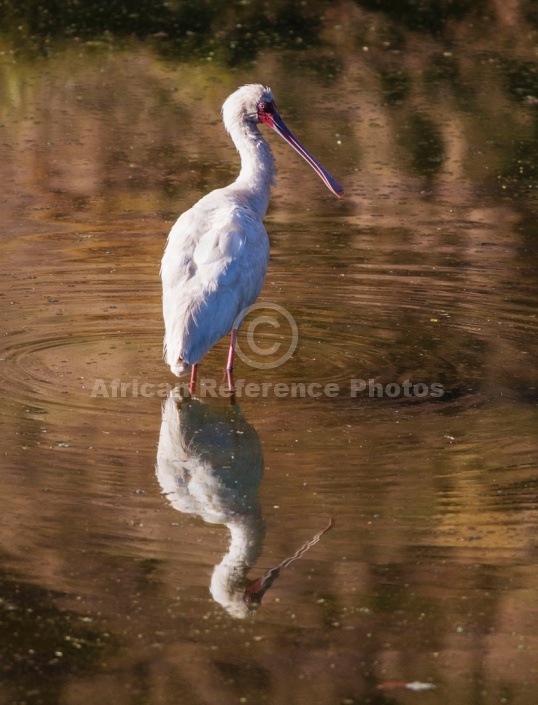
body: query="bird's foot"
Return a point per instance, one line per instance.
(228, 378)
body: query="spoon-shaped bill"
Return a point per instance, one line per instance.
(279, 126)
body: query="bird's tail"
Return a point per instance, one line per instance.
(180, 368)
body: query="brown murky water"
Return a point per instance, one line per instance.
(132, 523)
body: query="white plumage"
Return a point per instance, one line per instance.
(217, 253)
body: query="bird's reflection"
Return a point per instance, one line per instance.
(210, 463)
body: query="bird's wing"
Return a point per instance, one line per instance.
(214, 267)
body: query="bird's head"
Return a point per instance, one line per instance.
(255, 103)
(248, 104)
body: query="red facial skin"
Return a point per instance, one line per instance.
(268, 114)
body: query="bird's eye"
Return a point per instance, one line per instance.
(262, 105)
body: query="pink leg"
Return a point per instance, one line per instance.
(231, 352)
(230, 364)
(192, 385)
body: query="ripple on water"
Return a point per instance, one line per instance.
(393, 310)
(90, 311)
(377, 309)
(64, 369)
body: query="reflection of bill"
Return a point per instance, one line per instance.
(277, 318)
(255, 591)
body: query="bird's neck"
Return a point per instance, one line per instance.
(257, 166)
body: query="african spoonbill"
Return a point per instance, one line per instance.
(217, 252)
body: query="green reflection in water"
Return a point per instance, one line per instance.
(43, 645)
(230, 32)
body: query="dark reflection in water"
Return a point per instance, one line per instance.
(43, 646)
(235, 32)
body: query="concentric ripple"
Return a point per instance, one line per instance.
(375, 308)
(84, 309)
(87, 313)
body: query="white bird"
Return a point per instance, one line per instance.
(217, 252)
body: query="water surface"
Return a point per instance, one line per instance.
(132, 522)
